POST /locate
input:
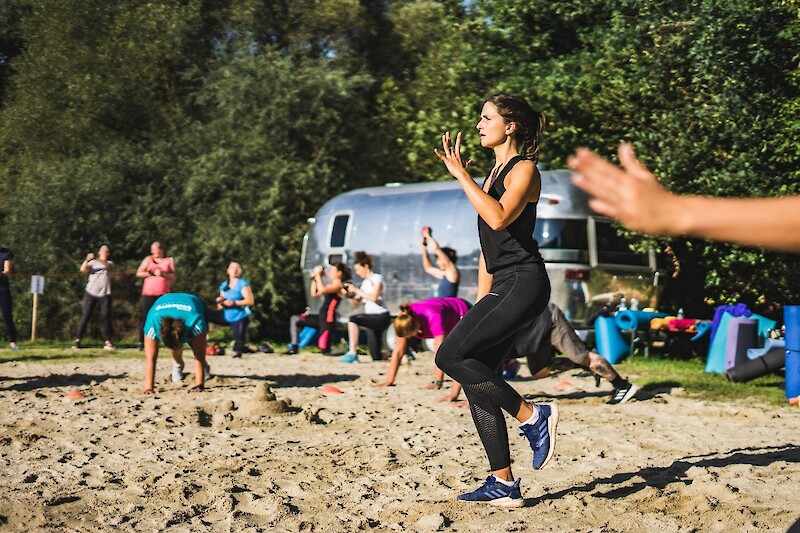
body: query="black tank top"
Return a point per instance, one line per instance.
(515, 244)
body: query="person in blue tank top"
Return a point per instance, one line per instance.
(445, 270)
(234, 301)
(512, 286)
(176, 318)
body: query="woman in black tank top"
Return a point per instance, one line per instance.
(513, 288)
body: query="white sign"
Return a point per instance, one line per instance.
(37, 284)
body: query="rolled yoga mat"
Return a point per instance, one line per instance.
(307, 336)
(791, 319)
(627, 320)
(742, 334)
(758, 367)
(610, 342)
(703, 327)
(771, 344)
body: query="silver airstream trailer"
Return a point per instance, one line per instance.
(588, 264)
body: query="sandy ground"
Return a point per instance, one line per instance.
(370, 459)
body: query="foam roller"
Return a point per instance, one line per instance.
(791, 318)
(627, 320)
(758, 367)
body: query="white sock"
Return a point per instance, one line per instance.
(503, 481)
(534, 417)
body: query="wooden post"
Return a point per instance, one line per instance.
(33, 320)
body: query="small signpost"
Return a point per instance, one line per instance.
(37, 288)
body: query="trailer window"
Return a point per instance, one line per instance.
(339, 231)
(561, 234)
(615, 250)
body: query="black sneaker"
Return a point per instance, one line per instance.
(623, 394)
(291, 350)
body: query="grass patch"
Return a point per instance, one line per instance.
(59, 352)
(654, 373)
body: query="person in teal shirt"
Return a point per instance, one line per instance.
(176, 318)
(235, 299)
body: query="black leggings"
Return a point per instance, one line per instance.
(376, 325)
(105, 314)
(146, 303)
(238, 329)
(480, 342)
(5, 308)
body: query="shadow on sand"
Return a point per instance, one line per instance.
(660, 477)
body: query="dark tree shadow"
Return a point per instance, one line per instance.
(660, 477)
(60, 380)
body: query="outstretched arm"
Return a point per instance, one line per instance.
(397, 355)
(633, 196)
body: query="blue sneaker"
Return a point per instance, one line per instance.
(349, 357)
(495, 493)
(542, 434)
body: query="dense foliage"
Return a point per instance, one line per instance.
(219, 126)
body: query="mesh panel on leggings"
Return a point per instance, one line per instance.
(499, 394)
(492, 430)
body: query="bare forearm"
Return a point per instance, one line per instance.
(772, 223)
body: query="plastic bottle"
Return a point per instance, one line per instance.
(680, 313)
(634, 304)
(623, 304)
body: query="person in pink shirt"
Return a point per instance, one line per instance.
(433, 319)
(158, 272)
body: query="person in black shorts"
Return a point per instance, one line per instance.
(551, 332)
(6, 258)
(512, 286)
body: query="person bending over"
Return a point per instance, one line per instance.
(325, 319)
(176, 318)
(433, 319)
(551, 332)
(445, 270)
(234, 301)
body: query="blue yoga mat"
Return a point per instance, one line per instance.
(627, 320)
(716, 350)
(702, 329)
(771, 345)
(307, 336)
(610, 342)
(791, 318)
(792, 374)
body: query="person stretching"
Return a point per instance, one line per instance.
(176, 318)
(433, 319)
(445, 270)
(551, 332)
(325, 319)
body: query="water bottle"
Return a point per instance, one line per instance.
(634, 304)
(680, 312)
(623, 305)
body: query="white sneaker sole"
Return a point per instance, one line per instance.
(506, 502)
(628, 395)
(552, 422)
